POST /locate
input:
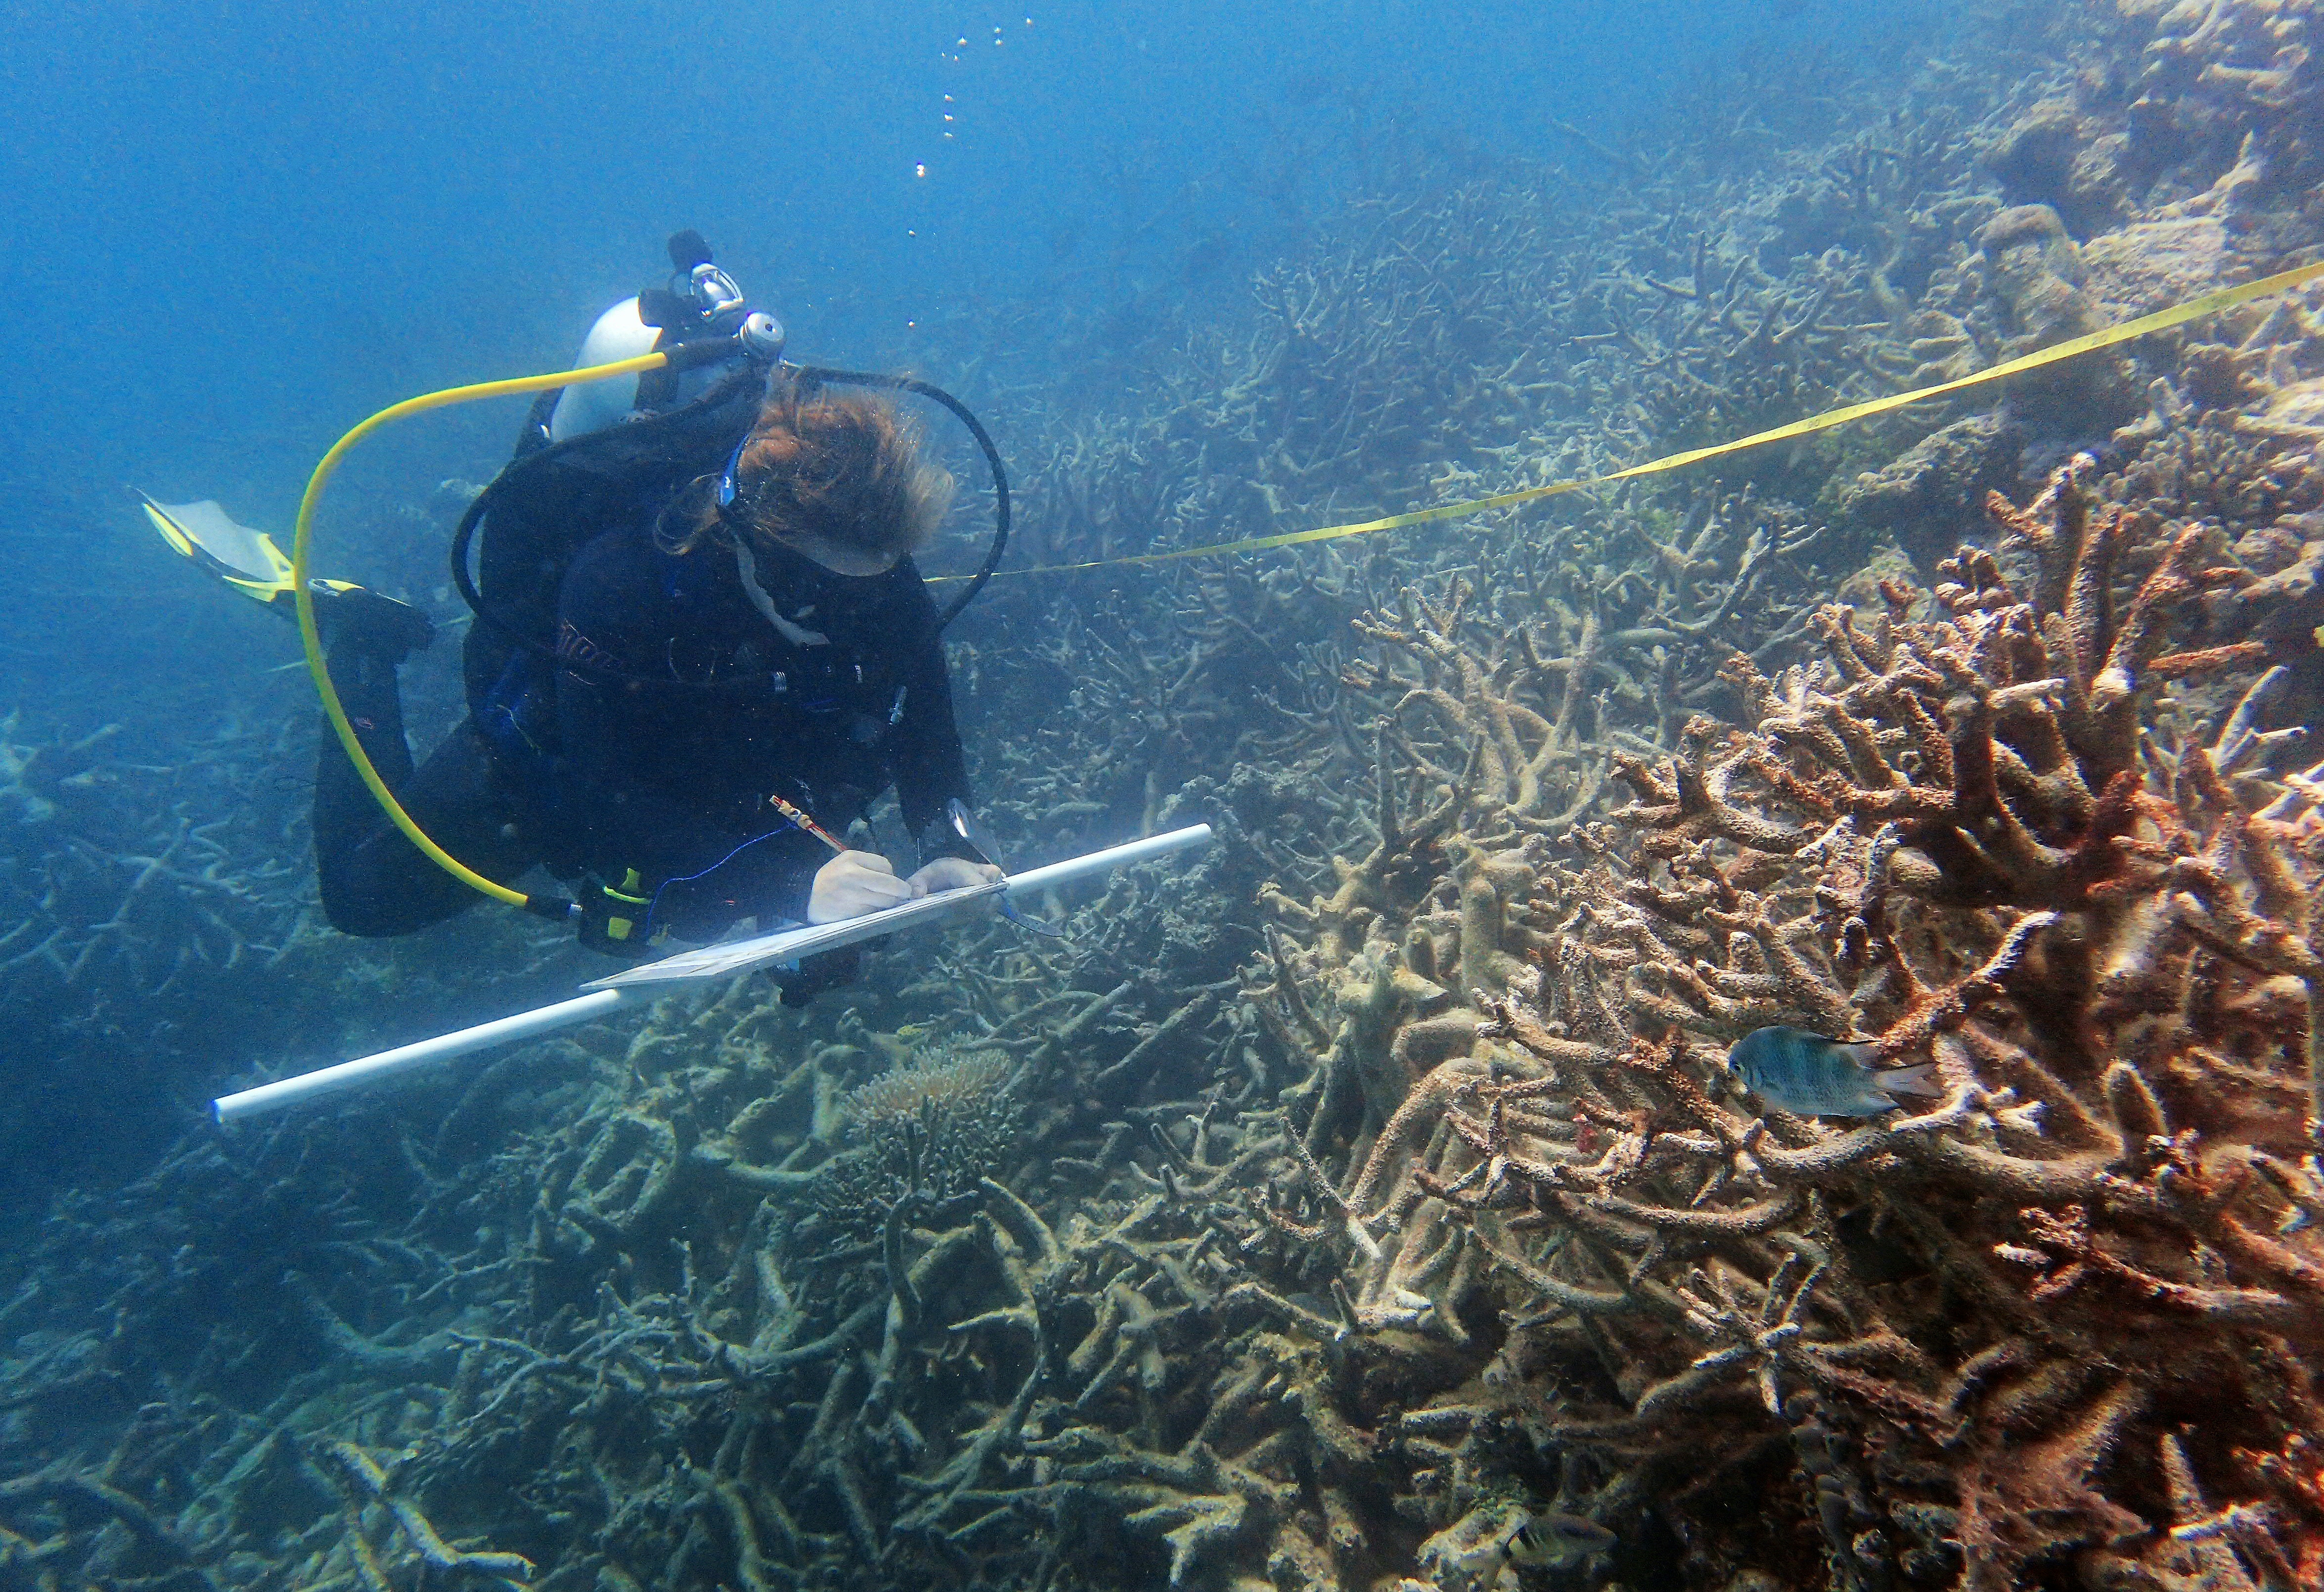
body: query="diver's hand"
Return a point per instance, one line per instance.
(852, 884)
(952, 873)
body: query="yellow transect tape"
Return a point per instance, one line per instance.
(2210, 303)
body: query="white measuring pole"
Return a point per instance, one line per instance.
(384, 1064)
(639, 985)
(1113, 857)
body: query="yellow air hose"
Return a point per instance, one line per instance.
(303, 599)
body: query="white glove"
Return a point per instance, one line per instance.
(952, 873)
(852, 884)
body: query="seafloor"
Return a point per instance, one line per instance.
(1319, 1210)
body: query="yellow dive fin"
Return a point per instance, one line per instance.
(244, 558)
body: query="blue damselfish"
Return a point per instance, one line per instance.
(1813, 1075)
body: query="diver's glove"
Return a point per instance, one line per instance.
(355, 619)
(852, 884)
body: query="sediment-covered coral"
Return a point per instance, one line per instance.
(1956, 837)
(2202, 106)
(927, 1132)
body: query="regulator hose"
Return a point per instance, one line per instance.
(929, 390)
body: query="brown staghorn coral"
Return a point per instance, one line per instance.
(1954, 838)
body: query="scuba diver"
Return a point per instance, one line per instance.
(702, 650)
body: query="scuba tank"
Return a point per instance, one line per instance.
(700, 302)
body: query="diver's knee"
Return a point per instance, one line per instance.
(381, 914)
(365, 921)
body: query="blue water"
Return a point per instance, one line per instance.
(251, 224)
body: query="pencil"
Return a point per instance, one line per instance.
(804, 822)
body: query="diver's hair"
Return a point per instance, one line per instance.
(843, 467)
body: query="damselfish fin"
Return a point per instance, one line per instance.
(1921, 1080)
(244, 558)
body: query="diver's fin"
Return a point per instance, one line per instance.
(236, 554)
(1919, 1079)
(249, 562)
(244, 558)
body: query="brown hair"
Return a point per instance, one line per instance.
(843, 467)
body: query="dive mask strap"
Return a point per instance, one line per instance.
(727, 491)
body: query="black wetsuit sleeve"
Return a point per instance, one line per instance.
(930, 767)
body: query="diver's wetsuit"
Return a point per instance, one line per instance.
(374, 881)
(676, 709)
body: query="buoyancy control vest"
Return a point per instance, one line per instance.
(555, 498)
(676, 711)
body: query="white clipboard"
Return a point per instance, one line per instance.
(788, 945)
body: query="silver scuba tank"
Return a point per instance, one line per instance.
(700, 301)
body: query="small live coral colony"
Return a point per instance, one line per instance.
(1324, 1210)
